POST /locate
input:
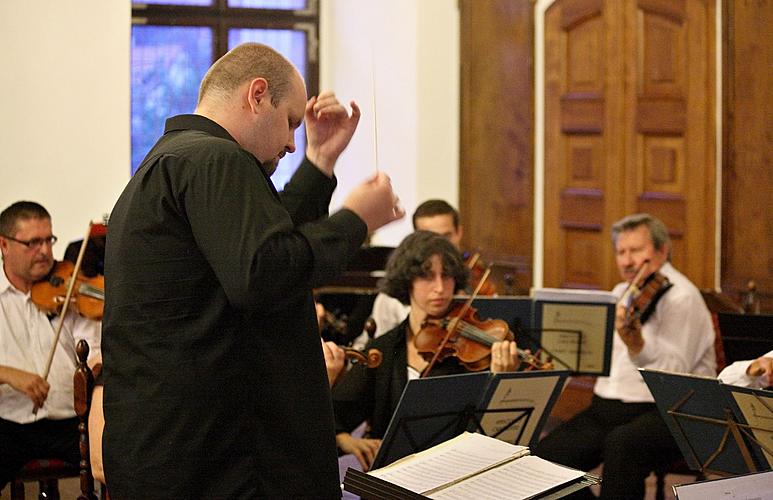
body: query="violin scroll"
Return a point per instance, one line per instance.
(371, 359)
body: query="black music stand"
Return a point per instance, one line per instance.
(576, 327)
(706, 423)
(509, 406)
(518, 312)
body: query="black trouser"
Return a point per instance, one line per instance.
(20, 443)
(629, 438)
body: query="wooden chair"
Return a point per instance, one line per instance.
(83, 384)
(48, 472)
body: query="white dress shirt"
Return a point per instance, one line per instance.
(735, 374)
(388, 312)
(678, 337)
(26, 336)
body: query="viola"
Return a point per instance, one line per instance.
(477, 271)
(642, 296)
(462, 334)
(88, 295)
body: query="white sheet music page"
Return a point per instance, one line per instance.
(522, 478)
(461, 456)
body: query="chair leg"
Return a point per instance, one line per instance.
(17, 489)
(49, 489)
(660, 485)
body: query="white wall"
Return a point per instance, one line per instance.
(64, 101)
(64, 108)
(412, 49)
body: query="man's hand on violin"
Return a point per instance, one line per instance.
(762, 366)
(629, 331)
(504, 356)
(335, 358)
(364, 449)
(30, 384)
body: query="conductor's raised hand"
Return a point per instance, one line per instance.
(329, 128)
(375, 202)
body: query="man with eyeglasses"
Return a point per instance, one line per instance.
(26, 336)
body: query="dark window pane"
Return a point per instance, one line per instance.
(178, 2)
(269, 4)
(168, 62)
(291, 44)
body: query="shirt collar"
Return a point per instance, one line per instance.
(5, 284)
(196, 122)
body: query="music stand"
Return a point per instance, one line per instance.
(705, 423)
(576, 327)
(509, 406)
(518, 313)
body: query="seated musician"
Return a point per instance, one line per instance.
(754, 373)
(26, 337)
(432, 215)
(622, 427)
(424, 271)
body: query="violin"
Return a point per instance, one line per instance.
(88, 296)
(642, 295)
(464, 335)
(371, 359)
(477, 270)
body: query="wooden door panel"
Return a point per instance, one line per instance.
(629, 109)
(583, 260)
(576, 198)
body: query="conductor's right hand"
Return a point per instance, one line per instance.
(364, 449)
(30, 384)
(375, 202)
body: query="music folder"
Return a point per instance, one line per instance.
(512, 407)
(720, 429)
(470, 465)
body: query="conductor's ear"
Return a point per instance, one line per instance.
(257, 93)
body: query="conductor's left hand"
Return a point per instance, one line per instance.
(329, 128)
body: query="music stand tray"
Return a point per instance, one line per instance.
(509, 406)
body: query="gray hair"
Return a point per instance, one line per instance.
(658, 230)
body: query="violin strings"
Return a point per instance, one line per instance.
(482, 337)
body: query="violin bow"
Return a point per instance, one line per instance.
(65, 306)
(462, 313)
(633, 287)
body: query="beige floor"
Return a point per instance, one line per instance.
(70, 489)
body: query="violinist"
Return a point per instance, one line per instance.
(622, 427)
(424, 271)
(433, 215)
(26, 337)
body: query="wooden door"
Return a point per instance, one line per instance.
(629, 127)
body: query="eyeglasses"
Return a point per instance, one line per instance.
(34, 242)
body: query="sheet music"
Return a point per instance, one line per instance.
(465, 454)
(758, 412)
(522, 478)
(747, 487)
(590, 319)
(533, 392)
